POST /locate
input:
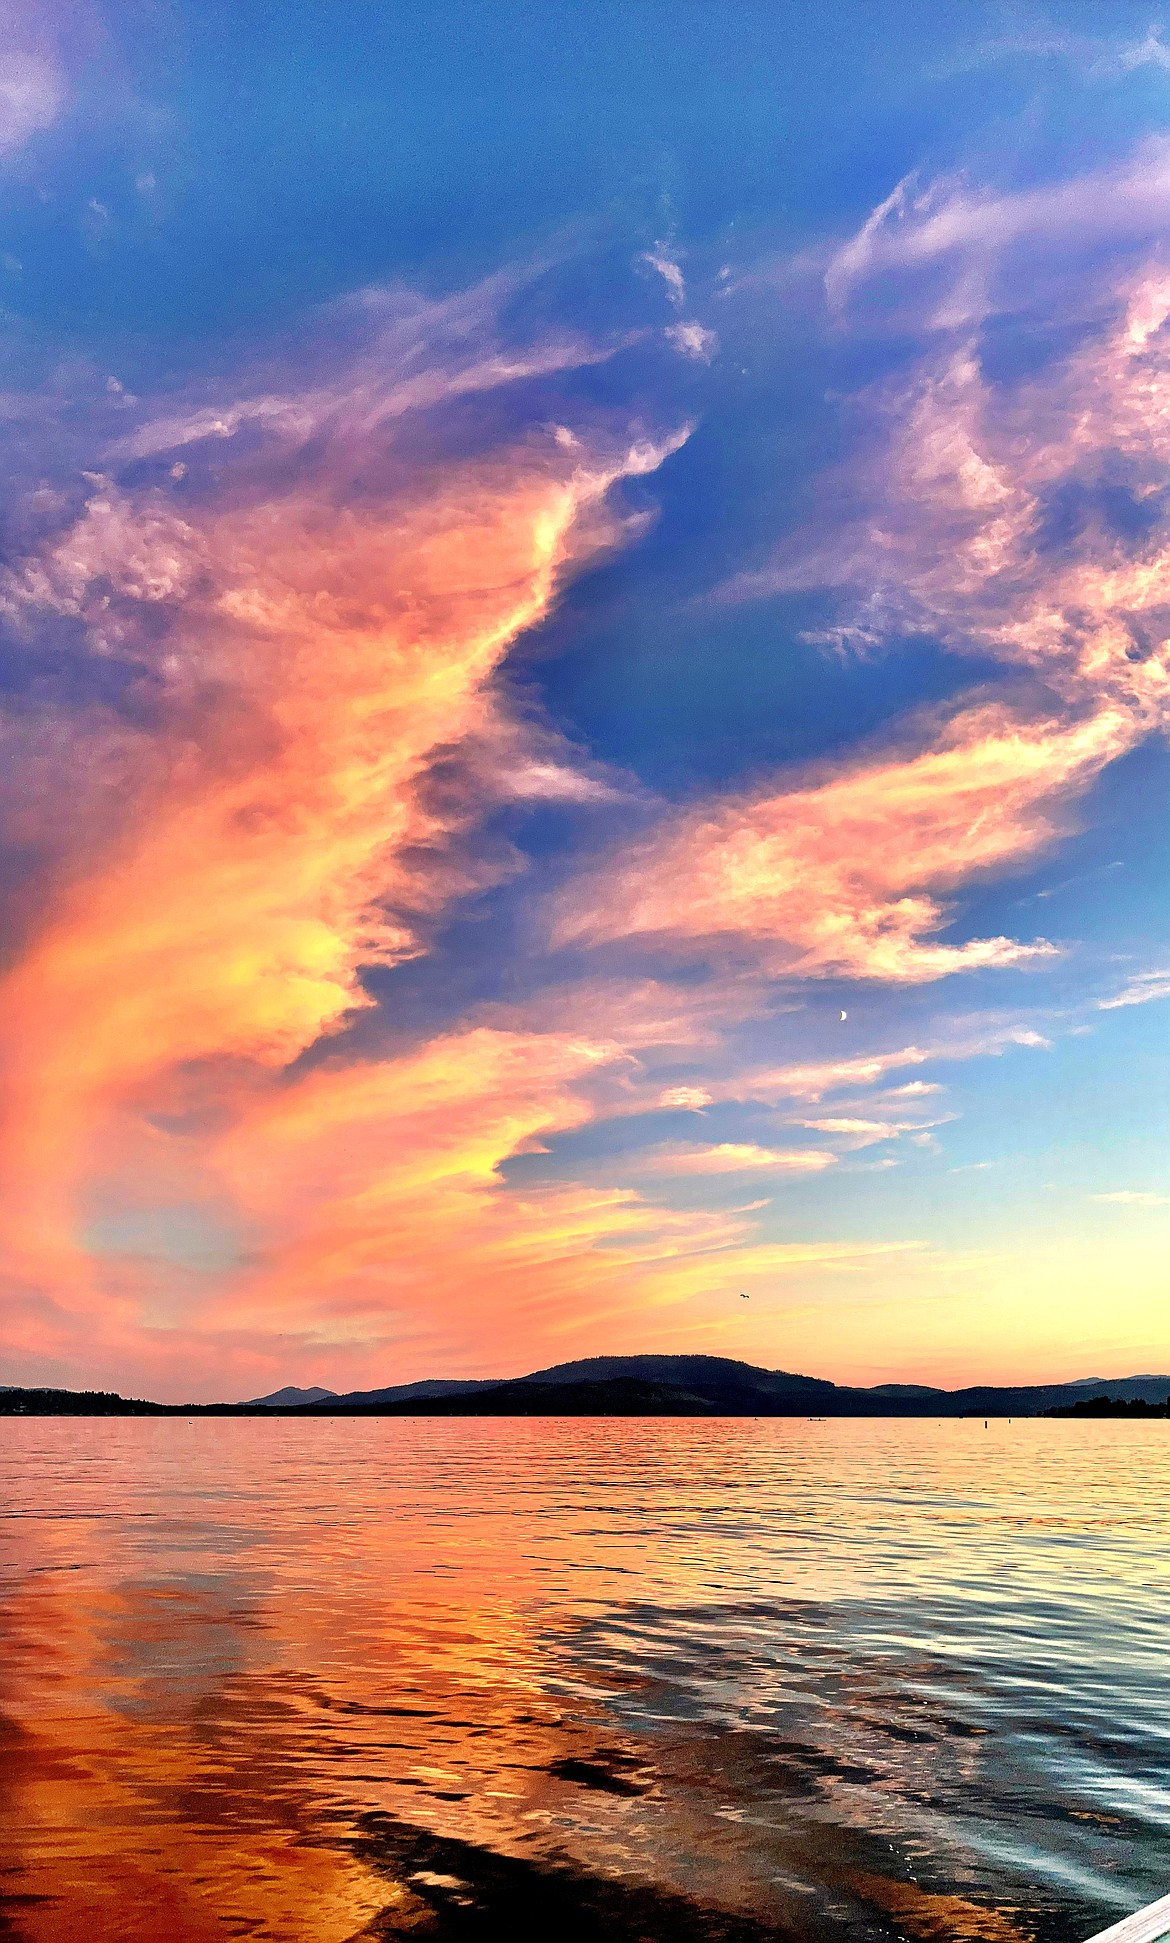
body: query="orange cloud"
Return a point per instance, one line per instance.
(391, 1227)
(322, 648)
(324, 645)
(842, 878)
(384, 1235)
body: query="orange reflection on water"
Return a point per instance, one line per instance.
(288, 1680)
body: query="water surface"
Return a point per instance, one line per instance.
(645, 1678)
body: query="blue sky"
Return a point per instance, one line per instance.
(584, 655)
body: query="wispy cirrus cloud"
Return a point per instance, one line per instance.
(739, 1157)
(969, 232)
(1098, 58)
(32, 94)
(1141, 990)
(1131, 1197)
(845, 877)
(399, 355)
(856, 1130)
(860, 1073)
(34, 90)
(1017, 518)
(663, 259)
(812, 1082)
(1020, 520)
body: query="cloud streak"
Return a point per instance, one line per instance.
(844, 878)
(1134, 1198)
(740, 1157)
(970, 231)
(1142, 990)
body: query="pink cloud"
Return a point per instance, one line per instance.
(812, 1082)
(692, 340)
(32, 94)
(314, 654)
(955, 491)
(736, 1157)
(952, 499)
(955, 222)
(846, 876)
(857, 1131)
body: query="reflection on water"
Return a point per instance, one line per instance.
(654, 1679)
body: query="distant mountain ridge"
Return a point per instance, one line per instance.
(650, 1385)
(289, 1398)
(720, 1384)
(677, 1372)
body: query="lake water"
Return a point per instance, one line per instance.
(536, 1678)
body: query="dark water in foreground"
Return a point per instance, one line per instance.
(653, 1679)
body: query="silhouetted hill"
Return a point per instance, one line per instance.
(1103, 1406)
(290, 1397)
(15, 1402)
(726, 1386)
(636, 1386)
(706, 1377)
(615, 1396)
(431, 1386)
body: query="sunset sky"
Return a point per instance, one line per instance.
(585, 661)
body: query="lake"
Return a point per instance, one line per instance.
(732, 1679)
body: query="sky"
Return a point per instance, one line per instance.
(584, 680)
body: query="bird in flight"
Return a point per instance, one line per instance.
(742, 1296)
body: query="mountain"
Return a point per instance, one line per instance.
(431, 1386)
(704, 1375)
(718, 1385)
(623, 1386)
(615, 1396)
(289, 1398)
